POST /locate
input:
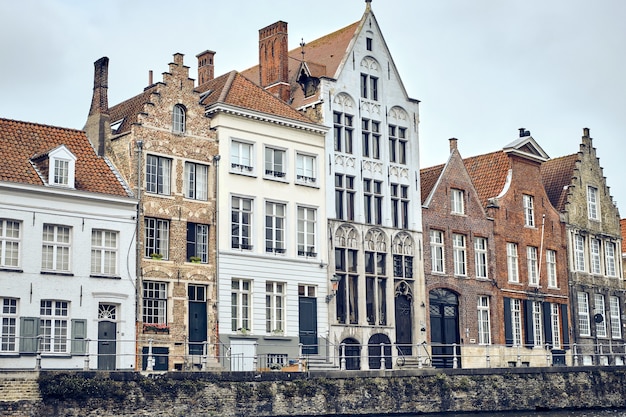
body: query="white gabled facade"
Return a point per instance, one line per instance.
(58, 309)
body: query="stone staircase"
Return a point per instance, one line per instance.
(320, 363)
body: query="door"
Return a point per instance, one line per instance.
(376, 352)
(197, 319)
(107, 331)
(242, 353)
(404, 322)
(307, 312)
(352, 357)
(444, 328)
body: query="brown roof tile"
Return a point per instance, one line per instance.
(557, 175)
(21, 141)
(488, 173)
(622, 223)
(428, 179)
(128, 110)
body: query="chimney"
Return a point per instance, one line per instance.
(274, 60)
(523, 132)
(586, 138)
(205, 67)
(453, 143)
(98, 126)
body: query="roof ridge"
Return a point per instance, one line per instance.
(41, 124)
(229, 83)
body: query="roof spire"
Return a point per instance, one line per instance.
(368, 5)
(302, 44)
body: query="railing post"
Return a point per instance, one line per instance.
(488, 356)
(342, 354)
(38, 357)
(575, 352)
(255, 360)
(382, 357)
(420, 361)
(150, 361)
(300, 357)
(600, 352)
(547, 354)
(203, 360)
(455, 361)
(86, 363)
(519, 357)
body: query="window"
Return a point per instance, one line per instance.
(480, 257)
(583, 314)
(344, 197)
(609, 251)
(537, 323)
(241, 223)
(369, 87)
(457, 201)
(198, 242)
(62, 166)
(8, 315)
(306, 169)
(516, 322)
(595, 257)
(402, 256)
(240, 298)
(154, 302)
(61, 171)
(376, 288)
(459, 255)
(56, 248)
(240, 157)
(9, 243)
(368, 44)
(274, 307)
(400, 206)
(307, 220)
(551, 268)
(511, 262)
(556, 327)
(342, 127)
(104, 252)
(616, 320)
(158, 174)
(579, 252)
(53, 325)
(274, 227)
(178, 119)
(370, 133)
(484, 328)
(274, 163)
(397, 144)
(593, 209)
(347, 291)
(437, 252)
(599, 309)
(196, 181)
(529, 210)
(533, 272)
(373, 201)
(157, 237)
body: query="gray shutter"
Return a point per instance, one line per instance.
(29, 327)
(79, 334)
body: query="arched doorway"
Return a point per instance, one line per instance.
(351, 354)
(374, 351)
(444, 328)
(404, 323)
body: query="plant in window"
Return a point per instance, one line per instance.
(156, 256)
(195, 259)
(156, 327)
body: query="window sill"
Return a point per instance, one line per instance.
(19, 270)
(105, 276)
(61, 274)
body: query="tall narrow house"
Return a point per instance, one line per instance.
(347, 80)
(577, 187)
(161, 142)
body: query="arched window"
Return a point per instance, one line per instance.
(178, 119)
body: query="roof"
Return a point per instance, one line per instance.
(557, 175)
(23, 142)
(622, 223)
(128, 110)
(428, 179)
(236, 90)
(488, 173)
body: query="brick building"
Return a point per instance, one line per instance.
(161, 142)
(577, 188)
(458, 266)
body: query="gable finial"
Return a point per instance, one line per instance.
(368, 4)
(302, 44)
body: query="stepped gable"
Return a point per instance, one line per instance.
(25, 145)
(488, 172)
(236, 90)
(557, 175)
(127, 111)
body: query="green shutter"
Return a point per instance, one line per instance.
(79, 334)
(29, 327)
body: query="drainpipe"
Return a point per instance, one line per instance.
(138, 283)
(216, 163)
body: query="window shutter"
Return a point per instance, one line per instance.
(191, 240)
(508, 326)
(29, 327)
(79, 334)
(547, 324)
(565, 326)
(529, 338)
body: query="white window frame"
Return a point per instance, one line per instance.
(275, 307)
(56, 248)
(241, 157)
(62, 169)
(481, 257)
(179, 122)
(600, 308)
(457, 201)
(9, 320)
(609, 253)
(306, 169)
(10, 243)
(593, 208)
(154, 302)
(551, 268)
(537, 323)
(516, 321)
(156, 237)
(484, 321)
(595, 259)
(584, 322)
(196, 181)
(343, 131)
(241, 304)
(54, 326)
(306, 231)
(275, 169)
(579, 252)
(616, 317)
(241, 229)
(104, 252)
(200, 244)
(533, 266)
(529, 210)
(459, 254)
(556, 325)
(275, 224)
(158, 175)
(437, 252)
(512, 262)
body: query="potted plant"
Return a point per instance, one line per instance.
(156, 328)
(156, 256)
(195, 259)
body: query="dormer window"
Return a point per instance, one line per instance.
(178, 119)
(62, 167)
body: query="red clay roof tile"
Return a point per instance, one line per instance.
(557, 174)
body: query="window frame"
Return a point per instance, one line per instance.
(241, 157)
(306, 175)
(459, 254)
(484, 320)
(10, 243)
(595, 257)
(512, 262)
(532, 255)
(9, 320)
(437, 252)
(244, 225)
(373, 201)
(104, 252)
(529, 210)
(275, 306)
(196, 183)
(156, 237)
(481, 257)
(584, 319)
(537, 316)
(599, 307)
(616, 317)
(154, 302)
(306, 231)
(158, 175)
(551, 268)
(273, 169)
(609, 255)
(579, 252)
(344, 196)
(516, 321)
(198, 238)
(555, 323)
(54, 326)
(179, 119)
(457, 201)
(400, 206)
(61, 256)
(343, 132)
(241, 304)
(275, 227)
(593, 208)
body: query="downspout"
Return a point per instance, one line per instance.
(216, 163)
(138, 280)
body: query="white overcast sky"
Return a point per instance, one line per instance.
(481, 68)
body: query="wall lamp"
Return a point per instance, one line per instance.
(334, 281)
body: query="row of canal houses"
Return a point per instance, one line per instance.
(249, 220)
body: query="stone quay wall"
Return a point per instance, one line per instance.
(104, 394)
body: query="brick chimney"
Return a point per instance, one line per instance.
(205, 67)
(98, 126)
(274, 60)
(453, 144)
